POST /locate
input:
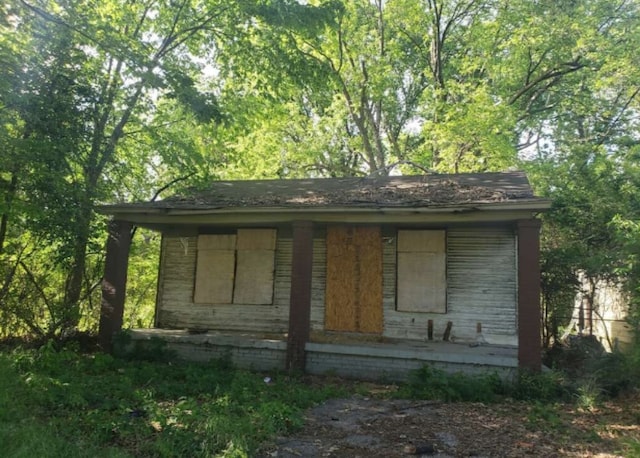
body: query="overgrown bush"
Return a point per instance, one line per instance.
(614, 372)
(587, 368)
(543, 386)
(432, 383)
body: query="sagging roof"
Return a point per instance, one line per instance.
(370, 192)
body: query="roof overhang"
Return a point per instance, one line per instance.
(159, 217)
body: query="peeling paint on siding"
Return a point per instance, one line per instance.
(481, 288)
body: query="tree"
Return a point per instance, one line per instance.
(587, 144)
(94, 81)
(116, 99)
(450, 86)
(93, 71)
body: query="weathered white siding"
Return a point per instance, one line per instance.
(318, 285)
(482, 276)
(176, 308)
(481, 288)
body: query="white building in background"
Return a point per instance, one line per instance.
(601, 309)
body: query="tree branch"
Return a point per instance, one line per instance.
(160, 190)
(569, 67)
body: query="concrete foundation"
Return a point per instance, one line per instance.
(389, 361)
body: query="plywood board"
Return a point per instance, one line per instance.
(369, 255)
(254, 277)
(214, 277)
(421, 282)
(177, 309)
(340, 294)
(354, 280)
(216, 242)
(431, 241)
(256, 239)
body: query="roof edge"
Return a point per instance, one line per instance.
(533, 204)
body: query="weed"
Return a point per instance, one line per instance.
(588, 394)
(632, 447)
(544, 416)
(614, 372)
(431, 383)
(97, 405)
(545, 386)
(609, 373)
(154, 349)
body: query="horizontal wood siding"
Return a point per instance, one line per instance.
(176, 308)
(481, 288)
(319, 274)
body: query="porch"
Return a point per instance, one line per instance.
(362, 358)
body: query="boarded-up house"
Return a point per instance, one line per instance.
(367, 277)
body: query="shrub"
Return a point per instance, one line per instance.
(588, 367)
(98, 405)
(543, 386)
(153, 350)
(431, 383)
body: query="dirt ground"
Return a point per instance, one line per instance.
(364, 426)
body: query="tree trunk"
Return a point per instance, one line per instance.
(8, 199)
(75, 277)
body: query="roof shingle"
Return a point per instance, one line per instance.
(394, 191)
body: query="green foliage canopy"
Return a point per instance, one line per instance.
(115, 100)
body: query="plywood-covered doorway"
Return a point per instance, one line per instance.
(354, 279)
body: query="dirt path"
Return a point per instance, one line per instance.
(368, 427)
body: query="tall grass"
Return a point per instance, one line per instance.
(62, 403)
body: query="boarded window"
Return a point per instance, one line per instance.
(255, 252)
(236, 269)
(354, 280)
(421, 271)
(215, 268)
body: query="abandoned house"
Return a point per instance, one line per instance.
(361, 277)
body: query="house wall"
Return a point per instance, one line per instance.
(481, 288)
(176, 308)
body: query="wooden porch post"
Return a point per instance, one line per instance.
(300, 299)
(114, 282)
(529, 340)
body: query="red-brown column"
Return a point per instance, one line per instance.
(114, 283)
(529, 340)
(300, 301)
